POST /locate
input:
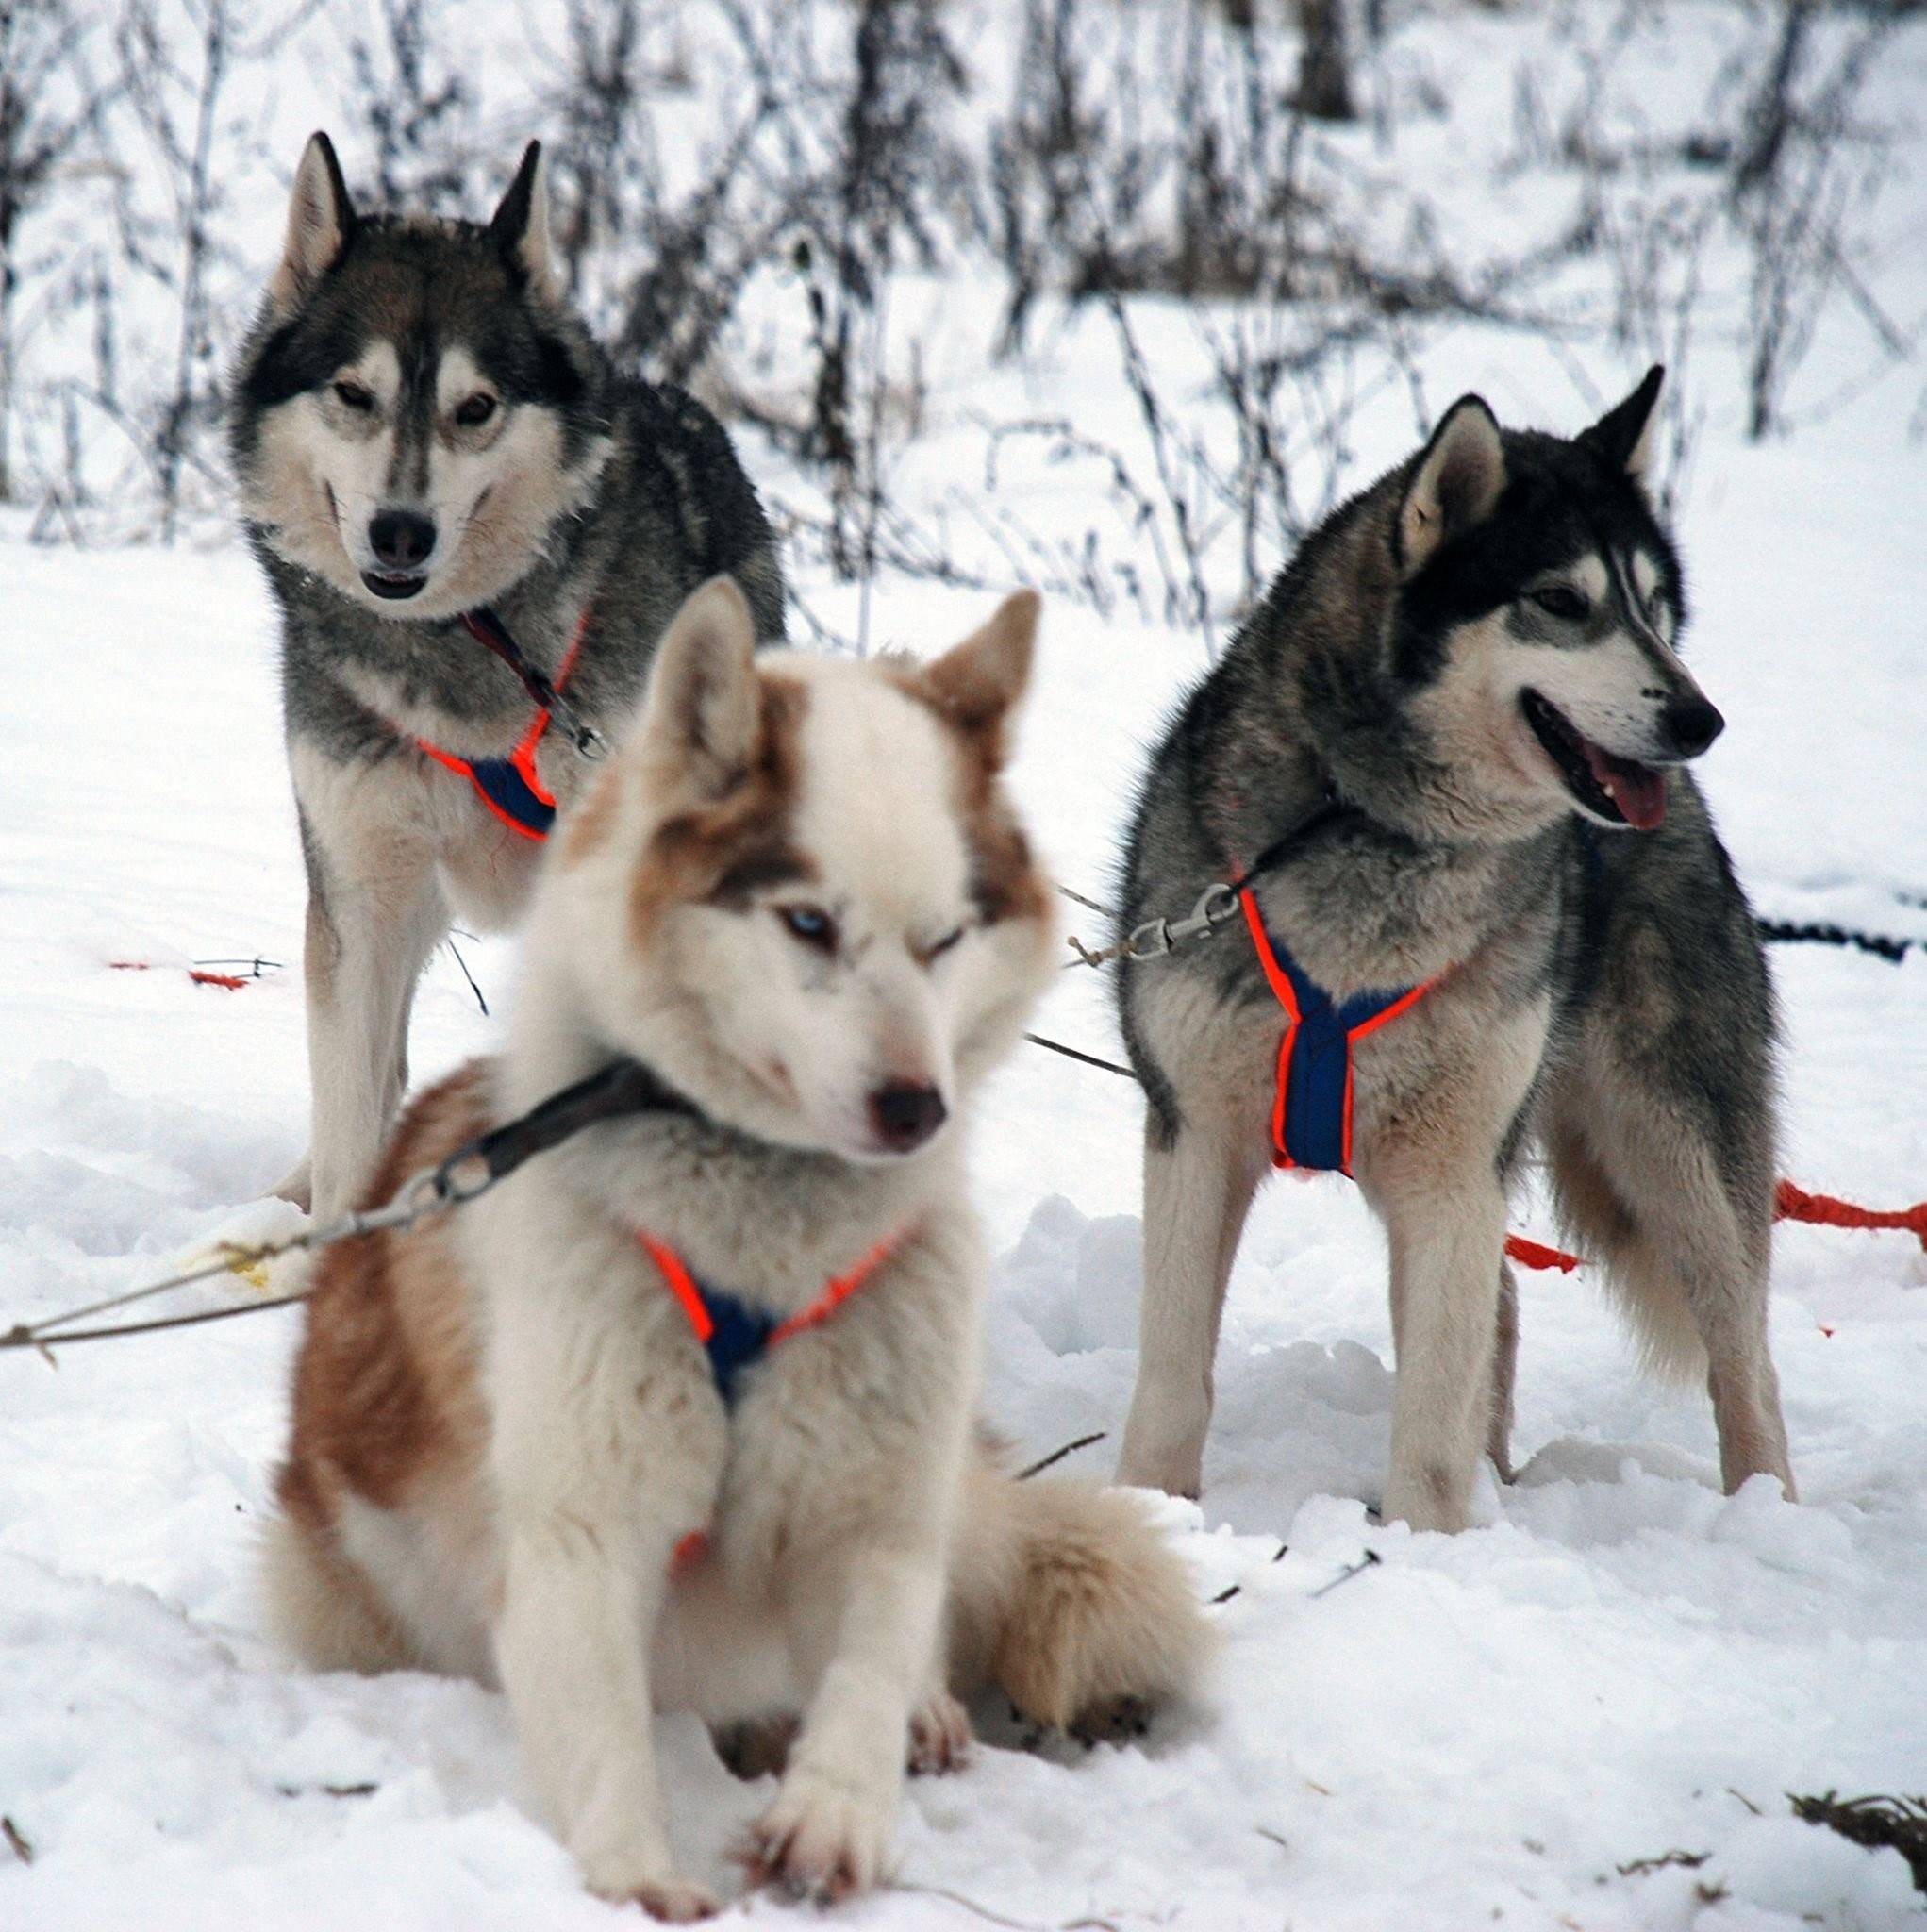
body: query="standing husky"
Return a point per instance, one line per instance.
(1508, 920)
(437, 461)
(608, 1437)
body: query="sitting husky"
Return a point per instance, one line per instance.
(436, 465)
(1505, 919)
(679, 1414)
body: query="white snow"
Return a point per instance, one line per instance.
(1496, 1728)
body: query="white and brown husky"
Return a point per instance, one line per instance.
(680, 1414)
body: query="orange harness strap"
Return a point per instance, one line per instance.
(734, 1334)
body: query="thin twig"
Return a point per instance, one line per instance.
(1345, 1576)
(1023, 1475)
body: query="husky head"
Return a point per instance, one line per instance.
(1536, 609)
(800, 893)
(417, 407)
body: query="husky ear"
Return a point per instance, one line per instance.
(1455, 482)
(320, 219)
(1623, 436)
(701, 713)
(980, 682)
(519, 226)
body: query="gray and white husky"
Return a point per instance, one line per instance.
(608, 1438)
(432, 454)
(1509, 924)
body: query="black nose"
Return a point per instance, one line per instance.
(400, 539)
(905, 1115)
(1692, 725)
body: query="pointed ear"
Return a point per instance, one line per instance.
(980, 682)
(702, 715)
(520, 227)
(1455, 482)
(1623, 436)
(320, 220)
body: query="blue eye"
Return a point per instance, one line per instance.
(811, 925)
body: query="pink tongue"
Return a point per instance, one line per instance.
(1638, 791)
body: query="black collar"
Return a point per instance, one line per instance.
(622, 1088)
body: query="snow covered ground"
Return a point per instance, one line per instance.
(1510, 1727)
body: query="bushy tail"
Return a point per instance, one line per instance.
(1064, 1597)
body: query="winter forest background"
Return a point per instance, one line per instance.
(743, 186)
(1115, 298)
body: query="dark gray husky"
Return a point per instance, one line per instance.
(476, 531)
(1488, 910)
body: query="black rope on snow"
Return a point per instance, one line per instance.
(1881, 945)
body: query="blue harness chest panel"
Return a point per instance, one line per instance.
(739, 1336)
(1311, 1111)
(735, 1335)
(502, 784)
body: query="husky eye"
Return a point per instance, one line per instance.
(351, 396)
(472, 412)
(811, 925)
(931, 954)
(1563, 602)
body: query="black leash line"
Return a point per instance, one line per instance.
(623, 1089)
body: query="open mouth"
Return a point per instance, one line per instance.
(1621, 791)
(392, 584)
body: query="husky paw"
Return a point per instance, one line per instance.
(941, 1736)
(1112, 1721)
(637, 1874)
(675, 1901)
(1175, 1463)
(822, 1839)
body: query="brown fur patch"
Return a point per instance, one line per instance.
(698, 854)
(593, 823)
(1004, 879)
(385, 1383)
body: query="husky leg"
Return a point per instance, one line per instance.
(1197, 1193)
(374, 914)
(592, 1506)
(1447, 1234)
(828, 1831)
(1504, 1373)
(1688, 1262)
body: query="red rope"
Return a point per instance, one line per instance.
(1532, 1255)
(1789, 1204)
(1827, 1210)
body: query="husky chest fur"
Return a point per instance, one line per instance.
(1475, 661)
(432, 451)
(800, 897)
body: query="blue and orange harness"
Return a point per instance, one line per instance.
(736, 1336)
(1311, 1113)
(512, 787)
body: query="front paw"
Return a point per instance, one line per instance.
(674, 1901)
(824, 1838)
(634, 1877)
(941, 1736)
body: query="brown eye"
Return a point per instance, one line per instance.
(351, 396)
(1563, 602)
(474, 410)
(943, 946)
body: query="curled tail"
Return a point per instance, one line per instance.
(1066, 1598)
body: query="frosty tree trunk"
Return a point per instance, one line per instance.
(1325, 81)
